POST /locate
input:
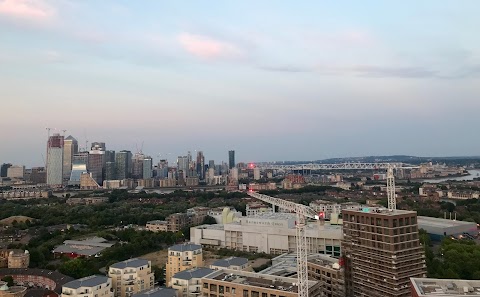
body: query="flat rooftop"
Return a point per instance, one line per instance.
(272, 282)
(443, 223)
(445, 287)
(380, 210)
(273, 216)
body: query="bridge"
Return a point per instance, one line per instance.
(336, 166)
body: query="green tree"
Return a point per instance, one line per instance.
(208, 220)
(9, 280)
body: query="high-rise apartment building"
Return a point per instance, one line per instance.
(382, 252)
(131, 276)
(16, 171)
(123, 164)
(231, 159)
(70, 148)
(90, 286)
(182, 257)
(200, 165)
(55, 160)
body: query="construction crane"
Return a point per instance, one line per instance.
(303, 212)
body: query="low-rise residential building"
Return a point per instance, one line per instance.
(157, 226)
(14, 259)
(236, 283)
(425, 287)
(131, 276)
(90, 286)
(234, 263)
(182, 257)
(158, 292)
(86, 200)
(188, 283)
(256, 208)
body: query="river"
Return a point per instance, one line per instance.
(473, 173)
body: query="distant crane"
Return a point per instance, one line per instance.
(303, 212)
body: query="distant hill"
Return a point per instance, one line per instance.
(414, 160)
(9, 220)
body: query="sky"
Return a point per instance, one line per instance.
(273, 80)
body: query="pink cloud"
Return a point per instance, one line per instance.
(26, 9)
(206, 47)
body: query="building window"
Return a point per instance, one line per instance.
(255, 294)
(245, 293)
(205, 285)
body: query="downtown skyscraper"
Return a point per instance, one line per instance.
(55, 147)
(231, 159)
(200, 165)
(70, 148)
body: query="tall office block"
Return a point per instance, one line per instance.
(147, 168)
(98, 146)
(123, 164)
(55, 160)
(109, 156)
(110, 171)
(211, 164)
(96, 165)
(183, 165)
(382, 252)
(4, 169)
(200, 165)
(70, 147)
(79, 166)
(231, 159)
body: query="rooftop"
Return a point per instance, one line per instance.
(87, 247)
(381, 210)
(438, 222)
(89, 281)
(272, 282)
(185, 247)
(198, 272)
(157, 222)
(131, 263)
(157, 292)
(445, 287)
(231, 261)
(55, 276)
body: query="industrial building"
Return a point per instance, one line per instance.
(382, 251)
(272, 233)
(82, 248)
(438, 228)
(424, 287)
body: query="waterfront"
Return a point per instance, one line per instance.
(473, 173)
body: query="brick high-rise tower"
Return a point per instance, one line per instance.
(382, 251)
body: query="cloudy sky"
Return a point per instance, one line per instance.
(274, 80)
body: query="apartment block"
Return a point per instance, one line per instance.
(131, 276)
(382, 251)
(157, 226)
(188, 283)
(90, 286)
(329, 273)
(182, 257)
(236, 283)
(425, 287)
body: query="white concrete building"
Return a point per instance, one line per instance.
(90, 286)
(272, 233)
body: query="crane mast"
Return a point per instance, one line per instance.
(302, 212)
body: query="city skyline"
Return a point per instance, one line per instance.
(271, 80)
